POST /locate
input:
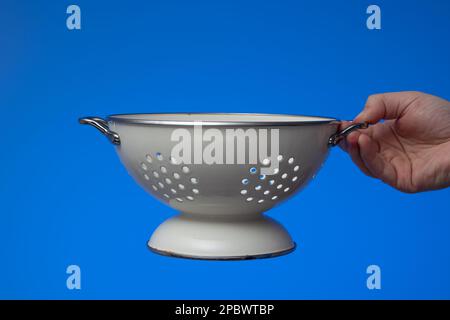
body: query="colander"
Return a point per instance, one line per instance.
(221, 204)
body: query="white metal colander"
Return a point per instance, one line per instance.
(221, 203)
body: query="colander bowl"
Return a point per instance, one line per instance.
(204, 166)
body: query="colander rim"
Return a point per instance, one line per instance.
(131, 118)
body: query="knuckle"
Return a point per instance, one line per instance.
(409, 187)
(373, 100)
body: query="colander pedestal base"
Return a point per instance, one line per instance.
(221, 237)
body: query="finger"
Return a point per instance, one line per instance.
(344, 124)
(374, 162)
(352, 138)
(354, 152)
(343, 143)
(386, 106)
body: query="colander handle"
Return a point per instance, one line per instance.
(102, 126)
(337, 137)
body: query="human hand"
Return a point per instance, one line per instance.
(410, 151)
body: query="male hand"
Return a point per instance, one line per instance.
(411, 149)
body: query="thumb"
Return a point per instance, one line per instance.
(386, 106)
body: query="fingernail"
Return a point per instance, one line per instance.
(359, 115)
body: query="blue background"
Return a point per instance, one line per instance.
(66, 199)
